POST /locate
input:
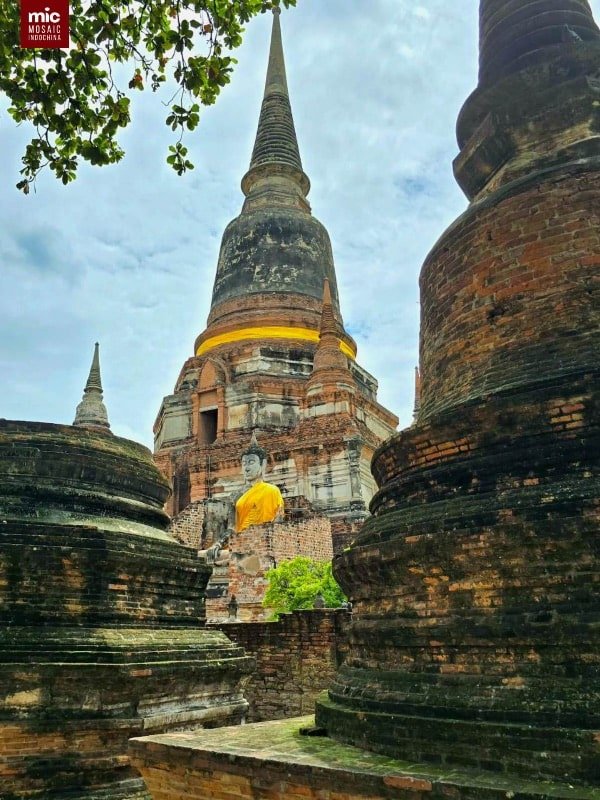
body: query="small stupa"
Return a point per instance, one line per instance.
(101, 612)
(91, 412)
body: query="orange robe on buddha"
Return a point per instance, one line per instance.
(260, 504)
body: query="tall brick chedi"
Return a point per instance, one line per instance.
(475, 633)
(252, 364)
(101, 613)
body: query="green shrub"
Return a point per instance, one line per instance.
(295, 584)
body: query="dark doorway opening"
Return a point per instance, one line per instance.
(208, 426)
(181, 490)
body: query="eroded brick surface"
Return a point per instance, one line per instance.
(296, 660)
(101, 617)
(474, 640)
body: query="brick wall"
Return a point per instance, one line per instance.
(256, 550)
(186, 527)
(309, 537)
(296, 659)
(344, 532)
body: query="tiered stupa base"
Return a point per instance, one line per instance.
(73, 697)
(475, 633)
(101, 617)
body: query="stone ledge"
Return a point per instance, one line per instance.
(272, 760)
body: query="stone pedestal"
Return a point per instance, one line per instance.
(101, 616)
(297, 657)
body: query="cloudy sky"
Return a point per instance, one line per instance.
(126, 255)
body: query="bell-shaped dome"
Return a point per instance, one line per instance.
(276, 249)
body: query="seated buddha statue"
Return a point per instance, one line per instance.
(259, 502)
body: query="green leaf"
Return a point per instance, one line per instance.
(296, 583)
(77, 107)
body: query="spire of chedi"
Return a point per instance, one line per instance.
(91, 412)
(274, 355)
(275, 174)
(275, 255)
(536, 106)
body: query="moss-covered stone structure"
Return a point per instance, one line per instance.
(473, 659)
(281, 760)
(101, 616)
(475, 639)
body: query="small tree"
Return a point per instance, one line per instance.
(295, 584)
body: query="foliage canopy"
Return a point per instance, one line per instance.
(295, 584)
(77, 100)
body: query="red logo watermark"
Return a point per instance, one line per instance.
(44, 23)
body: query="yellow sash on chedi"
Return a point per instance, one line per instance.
(258, 505)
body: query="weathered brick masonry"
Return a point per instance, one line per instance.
(296, 660)
(188, 526)
(281, 541)
(474, 641)
(100, 617)
(252, 553)
(518, 312)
